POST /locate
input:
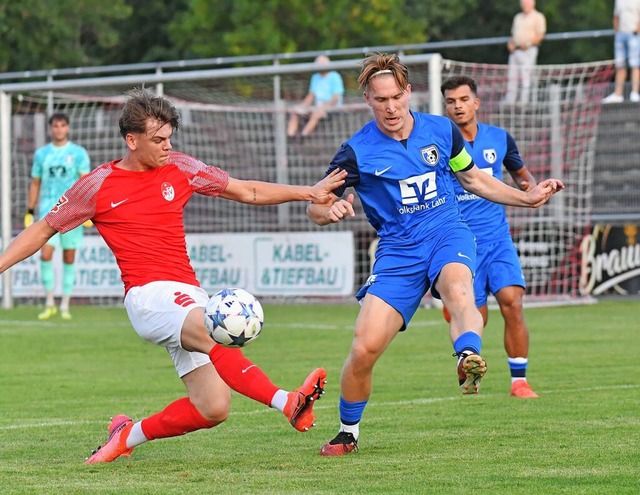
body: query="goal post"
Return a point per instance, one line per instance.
(556, 131)
(236, 119)
(5, 188)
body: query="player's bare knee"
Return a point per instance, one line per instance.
(215, 411)
(363, 356)
(511, 304)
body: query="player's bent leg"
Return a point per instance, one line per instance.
(209, 394)
(455, 286)
(300, 402)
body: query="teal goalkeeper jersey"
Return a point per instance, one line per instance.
(58, 168)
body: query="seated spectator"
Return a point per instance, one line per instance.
(325, 91)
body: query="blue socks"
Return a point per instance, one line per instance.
(468, 341)
(351, 412)
(518, 367)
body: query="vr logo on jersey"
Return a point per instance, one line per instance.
(418, 189)
(490, 155)
(167, 191)
(430, 154)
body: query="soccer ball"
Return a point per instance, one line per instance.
(233, 317)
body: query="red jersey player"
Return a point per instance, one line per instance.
(137, 205)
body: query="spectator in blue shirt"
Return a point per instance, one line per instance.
(325, 91)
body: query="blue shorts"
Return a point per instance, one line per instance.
(404, 269)
(498, 266)
(627, 50)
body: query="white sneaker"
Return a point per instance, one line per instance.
(614, 98)
(634, 96)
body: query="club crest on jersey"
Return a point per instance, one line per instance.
(167, 191)
(490, 155)
(430, 154)
(62, 201)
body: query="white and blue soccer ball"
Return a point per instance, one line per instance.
(233, 317)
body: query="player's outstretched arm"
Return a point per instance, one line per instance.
(268, 193)
(28, 242)
(332, 211)
(485, 186)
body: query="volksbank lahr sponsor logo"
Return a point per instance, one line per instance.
(467, 196)
(419, 193)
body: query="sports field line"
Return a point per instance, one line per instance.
(70, 324)
(418, 401)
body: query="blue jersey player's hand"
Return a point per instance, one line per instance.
(341, 209)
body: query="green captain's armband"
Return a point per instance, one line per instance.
(461, 161)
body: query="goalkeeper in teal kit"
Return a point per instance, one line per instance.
(56, 167)
(498, 269)
(402, 166)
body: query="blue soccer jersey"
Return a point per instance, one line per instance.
(58, 168)
(406, 187)
(406, 190)
(492, 148)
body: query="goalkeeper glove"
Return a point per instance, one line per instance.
(88, 224)
(28, 218)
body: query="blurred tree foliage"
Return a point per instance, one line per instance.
(244, 27)
(42, 34)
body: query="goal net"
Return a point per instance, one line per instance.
(239, 124)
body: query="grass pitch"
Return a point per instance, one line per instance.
(61, 381)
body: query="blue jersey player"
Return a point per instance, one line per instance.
(401, 165)
(56, 167)
(498, 269)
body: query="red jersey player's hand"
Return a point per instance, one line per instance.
(322, 192)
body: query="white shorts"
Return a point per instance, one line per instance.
(157, 312)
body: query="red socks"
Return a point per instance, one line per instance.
(176, 419)
(242, 375)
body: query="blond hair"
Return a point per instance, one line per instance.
(378, 64)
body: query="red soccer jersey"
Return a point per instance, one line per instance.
(140, 214)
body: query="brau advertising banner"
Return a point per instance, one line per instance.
(610, 260)
(293, 263)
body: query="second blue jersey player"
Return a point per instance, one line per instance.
(498, 269)
(401, 164)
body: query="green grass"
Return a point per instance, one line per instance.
(60, 382)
